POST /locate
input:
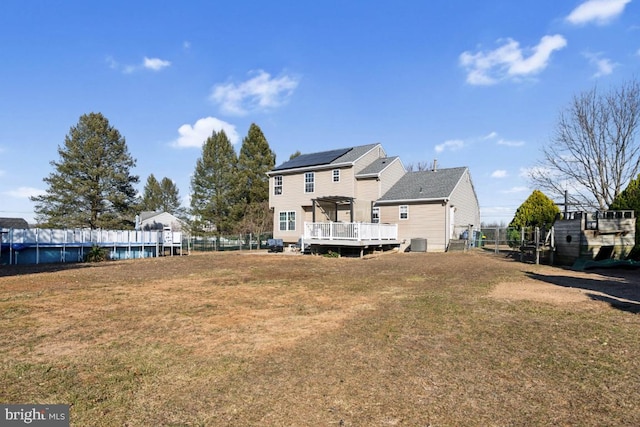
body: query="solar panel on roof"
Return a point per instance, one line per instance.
(313, 159)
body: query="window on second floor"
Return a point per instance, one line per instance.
(404, 212)
(309, 182)
(277, 185)
(336, 175)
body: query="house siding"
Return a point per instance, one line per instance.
(376, 153)
(464, 199)
(426, 220)
(390, 176)
(367, 191)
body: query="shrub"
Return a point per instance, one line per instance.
(97, 254)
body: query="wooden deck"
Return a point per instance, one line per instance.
(360, 235)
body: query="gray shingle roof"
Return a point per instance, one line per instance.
(425, 185)
(18, 223)
(377, 166)
(344, 155)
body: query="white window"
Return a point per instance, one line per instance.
(404, 212)
(277, 185)
(288, 221)
(309, 182)
(336, 175)
(375, 215)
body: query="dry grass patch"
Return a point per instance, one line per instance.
(405, 339)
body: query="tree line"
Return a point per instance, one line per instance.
(593, 156)
(92, 184)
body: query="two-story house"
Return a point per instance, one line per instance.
(359, 196)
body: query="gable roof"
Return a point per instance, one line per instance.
(19, 223)
(324, 158)
(145, 215)
(424, 185)
(376, 167)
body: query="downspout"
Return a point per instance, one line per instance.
(447, 225)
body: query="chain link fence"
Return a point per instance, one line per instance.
(529, 244)
(238, 242)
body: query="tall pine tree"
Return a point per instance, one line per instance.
(214, 187)
(151, 195)
(171, 198)
(92, 185)
(255, 160)
(161, 196)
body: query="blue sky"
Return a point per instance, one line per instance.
(469, 83)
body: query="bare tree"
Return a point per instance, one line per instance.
(594, 152)
(421, 166)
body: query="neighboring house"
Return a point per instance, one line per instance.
(362, 184)
(148, 220)
(17, 223)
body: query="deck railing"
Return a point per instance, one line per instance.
(41, 236)
(355, 231)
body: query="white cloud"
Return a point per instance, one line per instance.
(196, 135)
(491, 135)
(451, 145)
(500, 173)
(112, 63)
(509, 61)
(258, 93)
(599, 11)
(24, 192)
(604, 66)
(510, 143)
(513, 190)
(155, 64)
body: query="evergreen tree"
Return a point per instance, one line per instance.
(161, 196)
(628, 199)
(92, 185)
(171, 198)
(294, 155)
(255, 160)
(214, 187)
(537, 211)
(151, 195)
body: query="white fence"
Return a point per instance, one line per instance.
(354, 231)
